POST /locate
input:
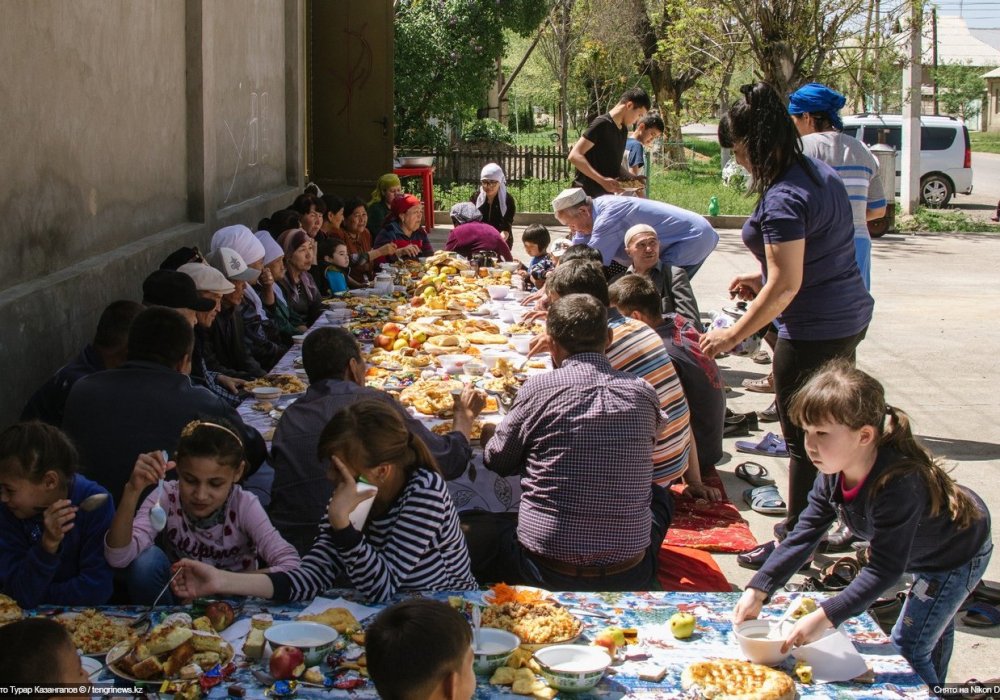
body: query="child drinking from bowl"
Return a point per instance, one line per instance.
(209, 517)
(892, 492)
(411, 540)
(50, 549)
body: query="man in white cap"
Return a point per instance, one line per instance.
(212, 285)
(263, 339)
(686, 239)
(671, 282)
(227, 334)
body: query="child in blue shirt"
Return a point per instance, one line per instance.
(332, 253)
(50, 550)
(536, 241)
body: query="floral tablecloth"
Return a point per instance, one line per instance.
(649, 613)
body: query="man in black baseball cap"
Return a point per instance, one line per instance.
(176, 291)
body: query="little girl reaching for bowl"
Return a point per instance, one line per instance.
(209, 517)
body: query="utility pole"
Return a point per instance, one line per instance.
(909, 186)
(934, 56)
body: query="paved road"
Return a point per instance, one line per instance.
(982, 203)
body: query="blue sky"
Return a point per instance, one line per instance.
(978, 14)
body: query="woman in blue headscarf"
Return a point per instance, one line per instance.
(815, 110)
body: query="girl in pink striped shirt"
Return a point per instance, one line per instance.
(209, 517)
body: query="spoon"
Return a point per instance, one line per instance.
(476, 623)
(775, 631)
(158, 516)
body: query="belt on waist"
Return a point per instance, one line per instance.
(561, 567)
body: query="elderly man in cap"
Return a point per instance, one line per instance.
(686, 238)
(115, 415)
(671, 282)
(471, 235)
(227, 335)
(205, 367)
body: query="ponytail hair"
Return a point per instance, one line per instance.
(28, 450)
(761, 123)
(369, 433)
(841, 393)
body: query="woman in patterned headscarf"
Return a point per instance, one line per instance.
(493, 200)
(380, 205)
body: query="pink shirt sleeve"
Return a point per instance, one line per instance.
(143, 534)
(277, 553)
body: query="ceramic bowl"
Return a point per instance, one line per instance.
(510, 266)
(453, 364)
(493, 649)
(315, 640)
(521, 342)
(266, 393)
(572, 667)
(498, 291)
(490, 357)
(756, 645)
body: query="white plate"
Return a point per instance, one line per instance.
(123, 648)
(91, 666)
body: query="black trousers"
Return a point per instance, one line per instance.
(795, 361)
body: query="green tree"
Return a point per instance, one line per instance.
(959, 87)
(446, 56)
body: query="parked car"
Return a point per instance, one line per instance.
(945, 152)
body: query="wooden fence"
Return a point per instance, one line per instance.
(518, 163)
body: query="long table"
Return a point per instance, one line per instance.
(647, 612)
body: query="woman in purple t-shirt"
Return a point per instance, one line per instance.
(802, 233)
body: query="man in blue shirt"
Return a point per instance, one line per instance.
(686, 239)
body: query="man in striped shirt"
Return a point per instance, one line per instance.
(582, 437)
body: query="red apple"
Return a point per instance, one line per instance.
(384, 341)
(221, 614)
(391, 329)
(416, 344)
(417, 301)
(287, 663)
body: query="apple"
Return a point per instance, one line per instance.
(416, 344)
(417, 301)
(610, 638)
(221, 614)
(383, 341)
(419, 336)
(391, 329)
(682, 625)
(287, 663)
(399, 344)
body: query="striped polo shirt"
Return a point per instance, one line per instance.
(856, 166)
(636, 348)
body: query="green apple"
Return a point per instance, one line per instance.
(682, 625)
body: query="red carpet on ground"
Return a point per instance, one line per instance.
(713, 527)
(692, 570)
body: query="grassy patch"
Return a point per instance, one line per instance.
(943, 221)
(690, 188)
(985, 142)
(540, 137)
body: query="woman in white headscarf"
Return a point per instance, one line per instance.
(494, 202)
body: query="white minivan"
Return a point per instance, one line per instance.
(945, 152)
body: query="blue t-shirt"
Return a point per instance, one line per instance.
(832, 301)
(636, 156)
(686, 238)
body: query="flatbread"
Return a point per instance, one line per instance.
(730, 679)
(339, 619)
(486, 338)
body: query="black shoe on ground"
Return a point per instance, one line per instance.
(769, 414)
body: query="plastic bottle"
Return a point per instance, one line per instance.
(713, 206)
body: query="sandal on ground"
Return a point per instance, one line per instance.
(754, 474)
(761, 357)
(755, 558)
(837, 575)
(981, 614)
(984, 592)
(769, 414)
(764, 385)
(770, 446)
(765, 500)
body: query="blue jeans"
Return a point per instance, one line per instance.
(147, 575)
(863, 256)
(925, 630)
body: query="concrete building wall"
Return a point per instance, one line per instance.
(130, 129)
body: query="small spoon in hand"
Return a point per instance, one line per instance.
(158, 516)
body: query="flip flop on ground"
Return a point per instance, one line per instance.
(764, 385)
(770, 446)
(981, 614)
(765, 500)
(754, 474)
